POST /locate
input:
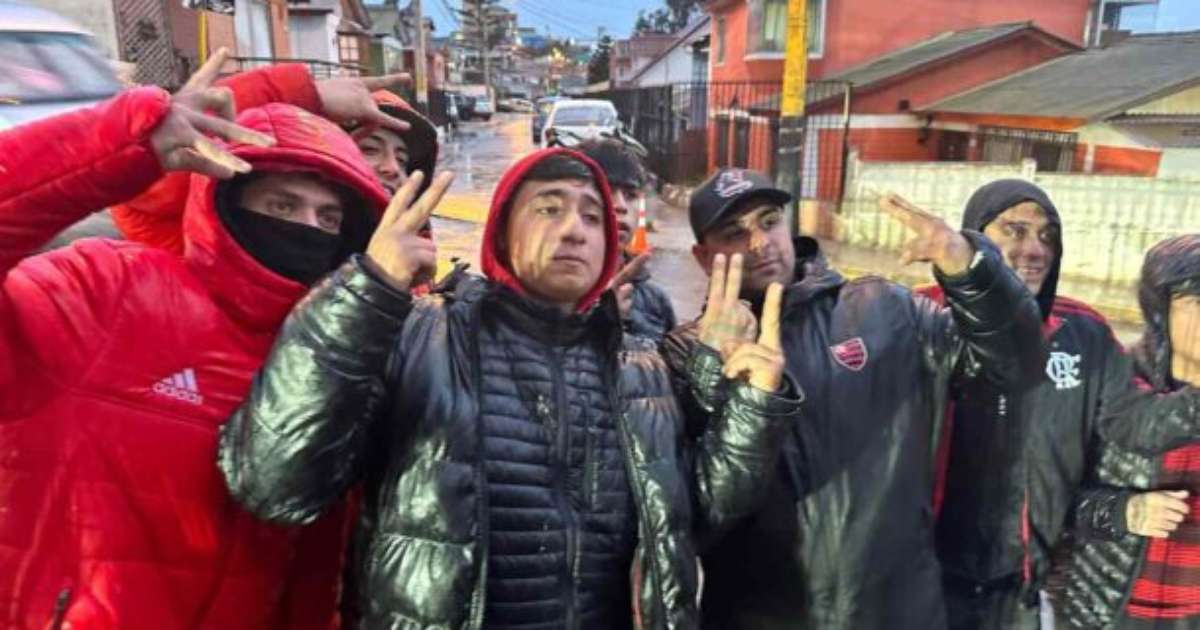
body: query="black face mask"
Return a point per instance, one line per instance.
(299, 252)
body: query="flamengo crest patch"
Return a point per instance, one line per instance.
(852, 354)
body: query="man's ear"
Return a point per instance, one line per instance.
(703, 257)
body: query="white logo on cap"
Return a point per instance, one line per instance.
(730, 183)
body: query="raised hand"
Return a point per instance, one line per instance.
(622, 283)
(197, 109)
(397, 249)
(932, 240)
(348, 100)
(1156, 514)
(761, 364)
(727, 321)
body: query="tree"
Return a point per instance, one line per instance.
(666, 19)
(598, 64)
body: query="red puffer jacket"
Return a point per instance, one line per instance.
(118, 363)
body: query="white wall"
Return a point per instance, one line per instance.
(1108, 222)
(313, 36)
(95, 15)
(252, 27)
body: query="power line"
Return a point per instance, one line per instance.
(558, 21)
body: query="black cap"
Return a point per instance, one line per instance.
(727, 191)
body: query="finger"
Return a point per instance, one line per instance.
(768, 335)
(419, 213)
(899, 209)
(230, 131)
(631, 269)
(364, 130)
(378, 118)
(218, 100)
(386, 81)
(1175, 506)
(1178, 494)
(1172, 517)
(716, 288)
(624, 292)
(208, 72)
(402, 199)
(746, 360)
(733, 282)
(190, 160)
(1158, 533)
(209, 150)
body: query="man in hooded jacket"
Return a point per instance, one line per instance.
(1137, 531)
(645, 306)
(844, 539)
(1016, 459)
(519, 454)
(118, 361)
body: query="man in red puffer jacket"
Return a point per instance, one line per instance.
(119, 362)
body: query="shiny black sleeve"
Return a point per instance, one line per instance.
(298, 441)
(1099, 513)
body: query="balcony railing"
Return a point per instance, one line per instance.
(318, 68)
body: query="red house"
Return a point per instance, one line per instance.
(892, 58)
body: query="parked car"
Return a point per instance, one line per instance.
(521, 105)
(48, 65)
(581, 118)
(483, 108)
(541, 110)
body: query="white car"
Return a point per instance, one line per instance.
(484, 108)
(580, 119)
(48, 65)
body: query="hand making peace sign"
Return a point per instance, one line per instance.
(932, 240)
(729, 327)
(396, 249)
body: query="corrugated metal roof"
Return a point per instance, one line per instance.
(925, 52)
(1092, 84)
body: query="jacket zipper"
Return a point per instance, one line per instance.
(623, 432)
(60, 608)
(485, 534)
(563, 439)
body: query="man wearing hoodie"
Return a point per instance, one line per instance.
(1017, 458)
(645, 306)
(394, 139)
(118, 361)
(844, 539)
(519, 455)
(1137, 525)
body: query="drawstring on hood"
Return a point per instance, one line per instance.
(1171, 268)
(498, 270)
(991, 200)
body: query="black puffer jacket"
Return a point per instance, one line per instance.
(652, 315)
(845, 538)
(1106, 558)
(364, 379)
(1018, 458)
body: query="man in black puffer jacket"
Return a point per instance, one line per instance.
(519, 456)
(1017, 458)
(1132, 564)
(844, 540)
(645, 306)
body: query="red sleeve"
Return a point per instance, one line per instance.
(284, 83)
(57, 171)
(52, 173)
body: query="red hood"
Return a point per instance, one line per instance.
(498, 271)
(246, 289)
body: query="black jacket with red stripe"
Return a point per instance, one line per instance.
(1018, 460)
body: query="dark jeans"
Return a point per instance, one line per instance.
(996, 605)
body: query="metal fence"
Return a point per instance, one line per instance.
(690, 129)
(318, 68)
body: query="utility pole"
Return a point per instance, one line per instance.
(476, 22)
(791, 110)
(419, 59)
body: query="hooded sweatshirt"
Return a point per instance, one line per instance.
(118, 364)
(1016, 459)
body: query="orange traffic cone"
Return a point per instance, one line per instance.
(638, 244)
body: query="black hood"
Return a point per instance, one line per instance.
(813, 273)
(993, 199)
(1171, 268)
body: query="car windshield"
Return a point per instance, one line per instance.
(52, 67)
(595, 115)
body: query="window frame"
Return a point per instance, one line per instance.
(756, 23)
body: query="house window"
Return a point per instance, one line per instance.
(721, 40)
(348, 49)
(767, 27)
